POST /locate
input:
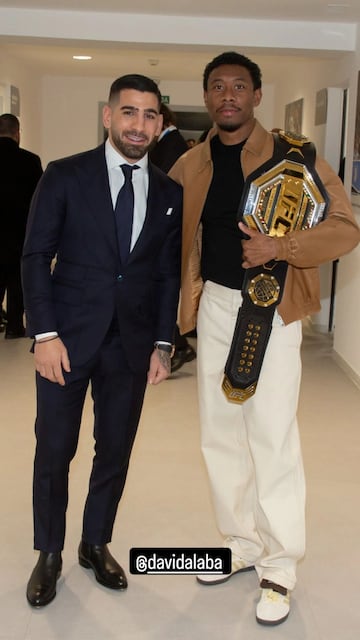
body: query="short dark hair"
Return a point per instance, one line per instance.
(232, 57)
(9, 125)
(134, 81)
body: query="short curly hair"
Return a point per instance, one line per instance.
(232, 57)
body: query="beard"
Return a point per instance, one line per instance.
(128, 150)
(228, 126)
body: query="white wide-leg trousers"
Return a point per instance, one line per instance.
(252, 451)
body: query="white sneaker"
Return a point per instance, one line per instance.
(273, 607)
(238, 565)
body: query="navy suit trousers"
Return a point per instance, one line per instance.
(117, 395)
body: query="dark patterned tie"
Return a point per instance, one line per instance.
(124, 211)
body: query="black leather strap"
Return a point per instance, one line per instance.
(252, 331)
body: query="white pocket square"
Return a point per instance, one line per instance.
(169, 211)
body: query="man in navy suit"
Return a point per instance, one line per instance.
(170, 144)
(104, 315)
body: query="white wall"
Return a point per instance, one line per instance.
(70, 122)
(17, 73)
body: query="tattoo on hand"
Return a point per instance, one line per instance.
(165, 359)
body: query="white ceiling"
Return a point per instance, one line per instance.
(321, 10)
(174, 62)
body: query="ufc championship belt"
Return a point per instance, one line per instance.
(284, 194)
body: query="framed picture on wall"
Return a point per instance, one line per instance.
(321, 107)
(102, 132)
(15, 101)
(293, 116)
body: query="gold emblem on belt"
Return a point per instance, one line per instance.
(264, 290)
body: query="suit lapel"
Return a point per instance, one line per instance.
(154, 211)
(98, 203)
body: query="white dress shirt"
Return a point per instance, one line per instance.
(140, 179)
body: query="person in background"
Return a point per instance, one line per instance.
(252, 450)
(104, 316)
(20, 171)
(170, 145)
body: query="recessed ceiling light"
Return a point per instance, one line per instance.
(82, 57)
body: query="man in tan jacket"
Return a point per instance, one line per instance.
(252, 450)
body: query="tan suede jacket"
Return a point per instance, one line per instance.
(303, 250)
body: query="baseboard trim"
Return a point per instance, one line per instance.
(354, 377)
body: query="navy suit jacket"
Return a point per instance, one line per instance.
(72, 218)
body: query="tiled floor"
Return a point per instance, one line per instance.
(167, 503)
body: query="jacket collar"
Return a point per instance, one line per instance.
(254, 144)
(256, 140)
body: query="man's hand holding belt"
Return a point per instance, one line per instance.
(258, 248)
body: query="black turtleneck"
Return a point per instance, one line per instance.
(221, 239)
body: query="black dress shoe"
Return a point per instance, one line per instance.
(41, 588)
(107, 571)
(181, 356)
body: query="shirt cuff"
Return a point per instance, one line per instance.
(47, 334)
